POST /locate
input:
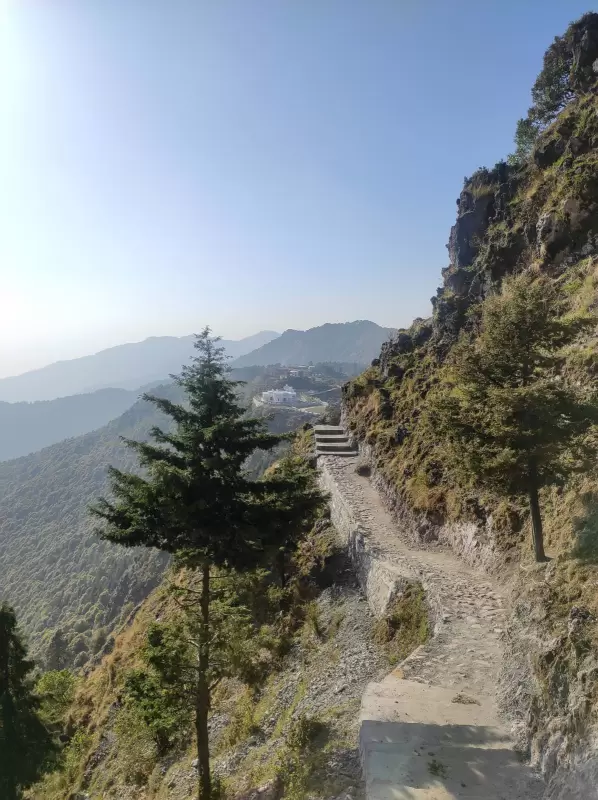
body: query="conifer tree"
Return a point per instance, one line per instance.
(196, 500)
(295, 501)
(511, 422)
(25, 744)
(166, 688)
(567, 72)
(57, 656)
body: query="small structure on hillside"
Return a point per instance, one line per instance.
(276, 397)
(301, 371)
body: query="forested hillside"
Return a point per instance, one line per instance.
(53, 569)
(126, 366)
(353, 342)
(27, 427)
(56, 573)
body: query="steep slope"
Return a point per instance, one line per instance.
(126, 366)
(53, 569)
(26, 427)
(537, 214)
(295, 733)
(353, 342)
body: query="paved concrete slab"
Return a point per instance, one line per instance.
(423, 742)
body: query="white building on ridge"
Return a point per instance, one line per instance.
(277, 397)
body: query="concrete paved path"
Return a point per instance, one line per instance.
(430, 729)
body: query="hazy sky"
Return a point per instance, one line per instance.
(251, 164)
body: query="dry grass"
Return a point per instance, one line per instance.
(405, 625)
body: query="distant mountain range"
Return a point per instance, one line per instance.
(126, 366)
(52, 567)
(27, 427)
(129, 366)
(353, 342)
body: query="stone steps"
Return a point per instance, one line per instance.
(334, 447)
(332, 440)
(337, 454)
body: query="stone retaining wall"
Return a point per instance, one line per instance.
(380, 581)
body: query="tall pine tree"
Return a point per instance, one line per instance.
(195, 499)
(294, 501)
(511, 422)
(25, 744)
(57, 655)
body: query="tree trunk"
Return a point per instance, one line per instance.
(8, 784)
(534, 507)
(280, 564)
(202, 698)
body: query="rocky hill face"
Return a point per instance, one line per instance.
(536, 214)
(350, 342)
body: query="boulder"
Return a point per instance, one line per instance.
(273, 790)
(394, 370)
(547, 151)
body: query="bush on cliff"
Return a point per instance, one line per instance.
(567, 72)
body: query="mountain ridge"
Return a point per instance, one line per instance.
(358, 341)
(30, 426)
(125, 366)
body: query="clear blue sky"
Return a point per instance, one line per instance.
(249, 164)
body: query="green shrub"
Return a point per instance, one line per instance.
(313, 619)
(242, 724)
(164, 714)
(56, 690)
(137, 750)
(302, 756)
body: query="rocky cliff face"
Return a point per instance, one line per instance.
(541, 215)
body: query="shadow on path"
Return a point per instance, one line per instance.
(410, 761)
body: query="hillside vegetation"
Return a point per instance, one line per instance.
(535, 217)
(248, 555)
(27, 427)
(295, 732)
(126, 366)
(353, 342)
(524, 249)
(53, 569)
